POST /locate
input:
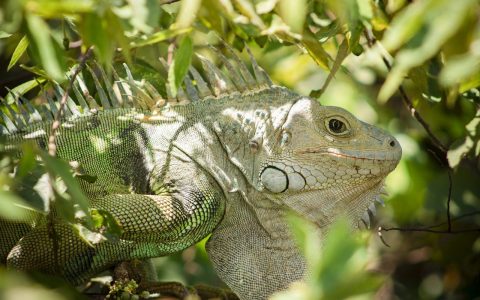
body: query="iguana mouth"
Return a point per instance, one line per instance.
(373, 155)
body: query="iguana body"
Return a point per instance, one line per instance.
(231, 157)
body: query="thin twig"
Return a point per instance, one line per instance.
(413, 229)
(52, 147)
(171, 49)
(455, 219)
(168, 2)
(406, 100)
(449, 199)
(450, 186)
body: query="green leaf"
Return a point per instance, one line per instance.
(103, 219)
(459, 150)
(27, 187)
(42, 44)
(247, 9)
(27, 161)
(88, 236)
(179, 67)
(187, 14)
(116, 28)
(18, 52)
(343, 52)
(12, 207)
(265, 6)
(294, 13)
(460, 69)
(23, 88)
(60, 168)
(160, 36)
(316, 51)
(332, 264)
(4, 35)
(425, 31)
(347, 11)
(58, 9)
(95, 31)
(406, 24)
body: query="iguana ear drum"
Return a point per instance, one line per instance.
(274, 179)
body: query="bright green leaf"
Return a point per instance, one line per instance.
(179, 67)
(23, 88)
(104, 219)
(58, 9)
(27, 161)
(19, 50)
(160, 36)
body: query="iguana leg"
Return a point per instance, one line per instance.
(138, 270)
(153, 225)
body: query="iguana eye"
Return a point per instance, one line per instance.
(336, 126)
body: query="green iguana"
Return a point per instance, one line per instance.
(231, 155)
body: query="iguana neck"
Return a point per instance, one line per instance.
(254, 244)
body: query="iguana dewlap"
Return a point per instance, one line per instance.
(230, 156)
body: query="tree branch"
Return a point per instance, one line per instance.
(406, 100)
(440, 148)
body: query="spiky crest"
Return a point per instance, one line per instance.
(130, 93)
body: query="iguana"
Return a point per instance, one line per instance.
(231, 155)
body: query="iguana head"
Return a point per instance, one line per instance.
(319, 161)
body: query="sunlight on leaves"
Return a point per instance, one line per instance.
(425, 26)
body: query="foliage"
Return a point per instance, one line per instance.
(351, 53)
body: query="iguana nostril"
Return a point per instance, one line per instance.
(392, 143)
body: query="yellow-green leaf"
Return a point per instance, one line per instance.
(316, 51)
(18, 52)
(23, 88)
(160, 36)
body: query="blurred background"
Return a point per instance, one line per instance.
(410, 67)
